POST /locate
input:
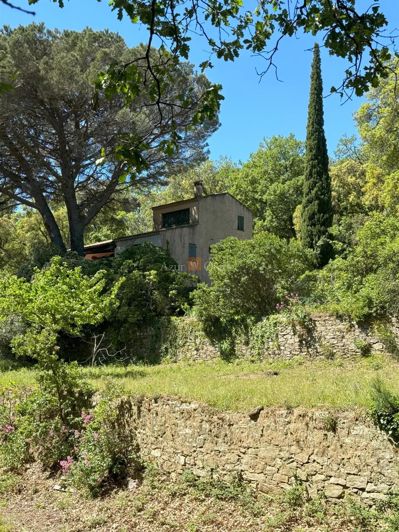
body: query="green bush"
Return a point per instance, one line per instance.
(42, 427)
(249, 280)
(365, 284)
(152, 289)
(363, 346)
(108, 454)
(385, 410)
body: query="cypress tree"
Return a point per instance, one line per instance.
(317, 211)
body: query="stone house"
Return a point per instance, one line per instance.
(187, 228)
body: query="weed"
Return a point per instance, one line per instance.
(8, 482)
(385, 410)
(363, 517)
(363, 346)
(295, 497)
(330, 423)
(388, 339)
(233, 490)
(327, 351)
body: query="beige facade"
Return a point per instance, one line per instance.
(189, 228)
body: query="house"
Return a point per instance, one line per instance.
(188, 229)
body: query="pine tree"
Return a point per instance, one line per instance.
(317, 211)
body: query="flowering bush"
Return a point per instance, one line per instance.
(43, 426)
(107, 452)
(66, 464)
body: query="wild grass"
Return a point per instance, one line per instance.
(242, 385)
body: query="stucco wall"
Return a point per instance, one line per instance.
(212, 218)
(216, 219)
(280, 447)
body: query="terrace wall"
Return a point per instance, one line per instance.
(334, 454)
(325, 336)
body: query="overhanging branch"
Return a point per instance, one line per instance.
(18, 8)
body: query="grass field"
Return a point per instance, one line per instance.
(241, 385)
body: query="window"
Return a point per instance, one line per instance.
(171, 219)
(192, 250)
(240, 223)
(194, 263)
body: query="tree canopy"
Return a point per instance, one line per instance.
(63, 142)
(358, 34)
(229, 27)
(270, 184)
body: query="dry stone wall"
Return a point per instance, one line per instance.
(332, 454)
(325, 335)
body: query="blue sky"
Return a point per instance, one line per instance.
(252, 110)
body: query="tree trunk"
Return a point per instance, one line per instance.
(50, 223)
(76, 231)
(75, 222)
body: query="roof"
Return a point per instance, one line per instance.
(187, 201)
(137, 235)
(104, 243)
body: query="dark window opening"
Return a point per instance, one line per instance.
(171, 219)
(240, 223)
(192, 251)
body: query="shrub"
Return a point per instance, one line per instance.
(108, 453)
(42, 427)
(152, 289)
(385, 410)
(249, 278)
(365, 284)
(363, 346)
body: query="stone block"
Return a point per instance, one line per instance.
(379, 488)
(333, 491)
(355, 481)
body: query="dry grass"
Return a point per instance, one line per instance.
(163, 505)
(341, 383)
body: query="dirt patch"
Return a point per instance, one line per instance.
(160, 504)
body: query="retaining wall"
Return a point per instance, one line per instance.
(331, 453)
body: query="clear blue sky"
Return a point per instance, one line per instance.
(252, 110)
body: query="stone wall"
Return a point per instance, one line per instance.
(184, 339)
(324, 335)
(332, 454)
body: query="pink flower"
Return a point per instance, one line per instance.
(87, 418)
(66, 464)
(8, 429)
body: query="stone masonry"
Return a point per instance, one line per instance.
(334, 454)
(329, 336)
